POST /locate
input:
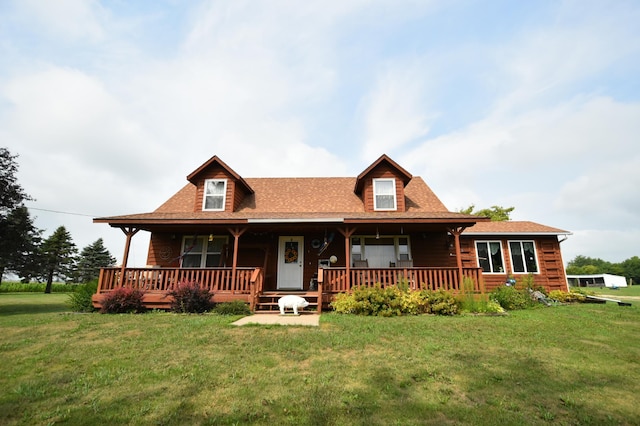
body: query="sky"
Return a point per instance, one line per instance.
(530, 104)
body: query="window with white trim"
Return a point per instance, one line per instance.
(523, 257)
(489, 255)
(384, 194)
(215, 193)
(203, 252)
(380, 251)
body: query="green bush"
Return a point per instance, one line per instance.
(80, 299)
(512, 298)
(123, 300)
(236, 307)
(440, 302)
(394, 301)
(570, 297)
(189, 297)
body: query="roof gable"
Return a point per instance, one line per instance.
(401, 173)
(211, 163)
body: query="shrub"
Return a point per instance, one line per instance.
(236, 307)
(529, 283)
(345, 303)
(511, 298)
(564, 297)
(189, 297)
(80, 299)
(393, 301)
(123, 300)
(479, 305)
(440, 302)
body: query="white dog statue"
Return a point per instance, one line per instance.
(292, 302)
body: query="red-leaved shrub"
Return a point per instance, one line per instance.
(123, 300)
(189, 297)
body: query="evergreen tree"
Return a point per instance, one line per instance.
(17, 233)
(91, 259)
(19, 243)
(57, 254)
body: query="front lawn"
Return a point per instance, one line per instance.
(562, 365)
(631, 291)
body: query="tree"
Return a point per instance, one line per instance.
(91, 259)
(17, 233)
(495, 213)
(631, 268)
(57, 254)
(582, 265)
(11, 193)
(19, 243)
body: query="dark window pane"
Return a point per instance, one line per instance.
(530, 256)
(516, 256)
(496, 257)
(483, 256)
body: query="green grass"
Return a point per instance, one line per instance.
(633, 291)
(569, 365)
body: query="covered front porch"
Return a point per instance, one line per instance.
(247, 284)
(259, 261)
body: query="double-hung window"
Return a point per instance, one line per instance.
(380, 251)
(203, 252)
(489, 255)
(523, 256)
(215, 191)
(384, 194)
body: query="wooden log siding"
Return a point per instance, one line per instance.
(334, 279)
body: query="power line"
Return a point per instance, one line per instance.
(61, 212)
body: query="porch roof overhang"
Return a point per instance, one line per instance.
(156, 221)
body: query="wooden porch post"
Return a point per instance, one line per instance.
(347, 232)
(129, 232)
(456, 238)
(236, 232)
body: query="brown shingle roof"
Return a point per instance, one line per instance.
(304, 195)
(513, 227)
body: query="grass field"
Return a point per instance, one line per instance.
(567, 365)
(623, 292)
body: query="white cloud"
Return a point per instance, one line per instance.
(395, 110)
(70, 20)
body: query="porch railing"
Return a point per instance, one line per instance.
(417, 278)
(217, 280)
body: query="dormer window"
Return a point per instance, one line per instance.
(215, 191)
(384, 194)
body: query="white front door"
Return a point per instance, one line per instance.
(290, 263)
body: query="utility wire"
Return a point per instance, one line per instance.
(61, 212)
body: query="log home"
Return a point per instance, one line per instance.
(255, 239)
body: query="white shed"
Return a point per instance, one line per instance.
(597, 280)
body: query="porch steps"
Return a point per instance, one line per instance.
(268, 302)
